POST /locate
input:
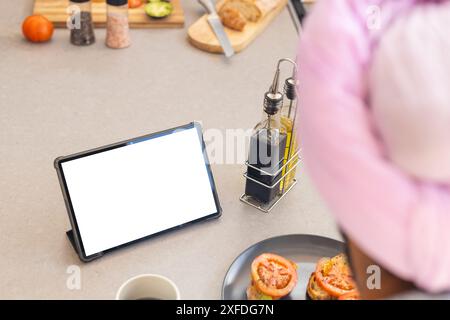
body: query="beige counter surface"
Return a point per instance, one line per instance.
(57, 99)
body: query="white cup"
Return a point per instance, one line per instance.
(148, 286)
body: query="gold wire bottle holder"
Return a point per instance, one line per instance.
(286, 182)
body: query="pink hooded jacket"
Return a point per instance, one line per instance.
(401, 222)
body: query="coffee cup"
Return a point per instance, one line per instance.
(148, 287)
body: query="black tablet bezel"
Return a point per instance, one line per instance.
(72, 217)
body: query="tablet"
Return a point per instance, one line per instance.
(128, 191)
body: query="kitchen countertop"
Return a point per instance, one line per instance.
(57, 99)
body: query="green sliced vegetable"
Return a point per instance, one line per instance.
(158, 9)
(262, 296)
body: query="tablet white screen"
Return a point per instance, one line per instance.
(130, 192)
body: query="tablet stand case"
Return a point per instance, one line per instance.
(70, 233)
(72, 240)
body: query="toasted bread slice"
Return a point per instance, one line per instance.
(254, 294)
(314, 291)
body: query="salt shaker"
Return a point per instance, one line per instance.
(117, 28)
(80, 24)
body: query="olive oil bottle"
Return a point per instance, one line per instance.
(288, 118)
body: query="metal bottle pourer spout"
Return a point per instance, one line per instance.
(273, 99)
(290, 88)
(272, 102)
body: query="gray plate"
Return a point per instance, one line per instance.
(305, 250)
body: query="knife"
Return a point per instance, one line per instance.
(300, 10)
(217, 26)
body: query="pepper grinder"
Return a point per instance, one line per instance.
(80, 23)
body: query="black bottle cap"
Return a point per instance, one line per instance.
(290, 87)
(117, 2)
(80, 1)
(272, 102)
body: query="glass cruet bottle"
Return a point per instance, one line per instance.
(266, 151)
(288, 120)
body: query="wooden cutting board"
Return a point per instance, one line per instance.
(202, 36)
(55, 11)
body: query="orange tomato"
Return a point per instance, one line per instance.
(37, 28)
(334, 276)
(273, 275)
(134, 3)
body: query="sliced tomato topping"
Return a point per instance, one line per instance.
(334, 276)
(273, 275)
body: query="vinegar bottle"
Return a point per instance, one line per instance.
(266, 153)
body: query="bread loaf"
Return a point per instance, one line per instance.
(235, 13)
(233, 19)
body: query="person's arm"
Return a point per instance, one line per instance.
(403, 224)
